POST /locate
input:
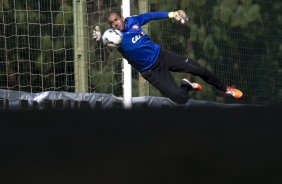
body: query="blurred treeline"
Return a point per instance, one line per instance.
(238, 40)
(36, 53)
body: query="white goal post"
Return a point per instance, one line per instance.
(127, 76)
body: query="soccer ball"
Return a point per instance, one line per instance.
(112, 38)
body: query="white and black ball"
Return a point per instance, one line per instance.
(112, 38)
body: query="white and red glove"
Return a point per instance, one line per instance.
(97, 33)
(179, 16)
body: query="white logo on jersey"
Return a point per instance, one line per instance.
(137, 37)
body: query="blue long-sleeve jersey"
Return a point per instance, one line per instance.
(136, 46)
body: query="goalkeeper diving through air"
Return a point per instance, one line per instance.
(155, 63)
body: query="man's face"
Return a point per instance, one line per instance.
(116, 21)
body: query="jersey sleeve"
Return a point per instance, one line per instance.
(146, 17)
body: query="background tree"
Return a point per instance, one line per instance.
(238, 40)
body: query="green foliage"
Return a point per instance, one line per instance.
(102, 81)
(253, 13)
(37, 35)
(59, 45)
(193, 32)
(185, 4)
(44, 62)
(65, 15)
(238, 40)
(33, 17)
(200, 3)
(21, 16)
(237, 14)
(210, 48)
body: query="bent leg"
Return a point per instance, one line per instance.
(165, 83)
(178, 63)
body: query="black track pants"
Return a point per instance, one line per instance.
(160, 77)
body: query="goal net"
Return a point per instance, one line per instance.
(238, 41)
(105, 65)
(37, 47)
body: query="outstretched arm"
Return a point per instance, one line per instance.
(179, 16)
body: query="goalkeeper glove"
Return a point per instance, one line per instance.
(97, 33)
(179, 16)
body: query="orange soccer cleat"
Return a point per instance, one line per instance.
(195, 86)
(236, 93)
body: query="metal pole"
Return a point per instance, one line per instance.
(127, 77)
(144, 86)
(80, 46)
